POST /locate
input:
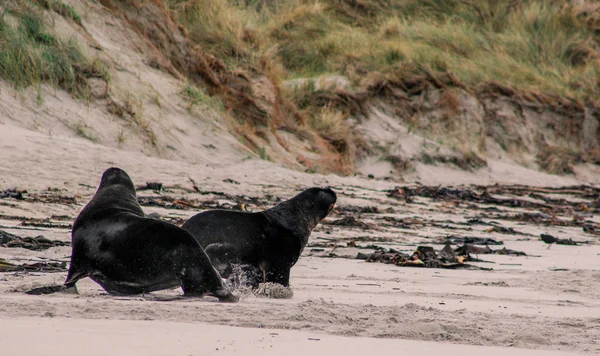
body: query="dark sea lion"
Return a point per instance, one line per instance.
(126, 252)
(268, 243)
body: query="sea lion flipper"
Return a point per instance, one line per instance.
(222, 256)
(198, 276)
(278, 273)
(73, 277)
(225, 296)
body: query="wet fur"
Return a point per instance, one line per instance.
(266, 243)
(124, 251)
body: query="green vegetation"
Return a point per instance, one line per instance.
(83, 130)
(197, 96)
(66, 11)
(249, 53)
(30, 54)
(262, 153)
(540, 49)
(329, 124)
(541, 46)
(193, 94)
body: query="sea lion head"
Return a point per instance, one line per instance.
(116, 176)
(304, 211)
(318, 201)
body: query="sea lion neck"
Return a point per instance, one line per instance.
(110, 199)
(290, 215)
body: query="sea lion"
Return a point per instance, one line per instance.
(126, 252)
(268, 243)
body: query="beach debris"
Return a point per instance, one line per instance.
(168, 202)
(478, 221)
(39, 266)
(427, 257)
(486, 250)
(591, 229)
(229, 202)
(509, 252)
(37, 243)
(230, 181)
(380, 256)
(404, 223)
(13, 193)
(489, 284)
(549, 239)
(156, 186)
(358, 209)
(504, 230)
(44, 222)
(457, 240)
(348, 221)
(547, 220)
(51, 196)
(483, 195)
(470, 248)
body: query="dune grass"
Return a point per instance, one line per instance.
(547, 47)
(30, 54)
(543, 46)
(538, 46)
(66, 11)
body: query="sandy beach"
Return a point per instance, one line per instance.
(546, 303)
(436, 160)
(127, 337)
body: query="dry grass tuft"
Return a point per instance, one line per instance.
(467, 161)
(31, 54)
(451, 102)
(558, 160)
(65, 10)
(400, 164)
(330, 124)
